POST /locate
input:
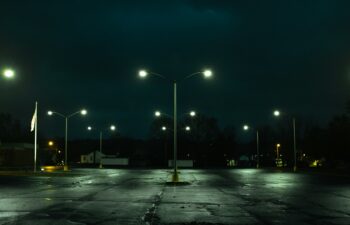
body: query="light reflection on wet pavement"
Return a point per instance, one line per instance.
(120, 196)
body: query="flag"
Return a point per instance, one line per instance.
(33, 123)
(34, 127)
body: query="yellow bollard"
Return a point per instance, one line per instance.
(175, 177)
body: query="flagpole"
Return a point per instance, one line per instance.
(35, 134)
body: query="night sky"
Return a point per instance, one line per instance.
(291, 55)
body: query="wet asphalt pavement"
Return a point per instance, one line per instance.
(120, 196)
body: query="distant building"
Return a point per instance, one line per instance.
(16, 155)
(97, 157)
(92, 158)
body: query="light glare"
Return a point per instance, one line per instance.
(49, 113)
(164, 128)
(207, 73)
(112, 127)
(188, 128)
(245, 127)
(8, 73)
(276, 113)
(89, 128)
(83, 112)
(157, 114)
(192, 113)
(143, 73)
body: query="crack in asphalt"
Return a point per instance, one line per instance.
(69, 214)
(151, 217)
(249, 201)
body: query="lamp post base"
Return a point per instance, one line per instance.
(175, 177)
(294, 168)
(100, 166)
(65, 168)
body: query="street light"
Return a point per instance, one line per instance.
(66, 117)
(277, 114)
(111, 128)
(277, 150)
(187, 128)
(207, 74)
(246, 128)
(143, 74)
(157, 113)
(54, 148)
(8, 73)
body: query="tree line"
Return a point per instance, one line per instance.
(208, 144)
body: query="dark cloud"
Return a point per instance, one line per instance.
(265, 54)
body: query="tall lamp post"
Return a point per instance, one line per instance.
(111, 128)
(206, 74)
(277, 113)
(278, 151)
(246, 128)
(66, 117)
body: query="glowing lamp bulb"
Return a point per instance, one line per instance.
(207, 73)
(157, 114)
(276, 113)
(8, 73)
(143, 73)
